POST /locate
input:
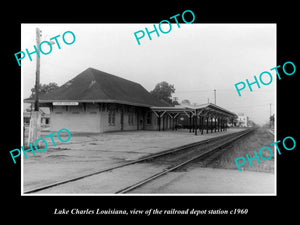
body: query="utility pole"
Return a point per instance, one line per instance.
(37, 75)
(35, 120)
(215, 95)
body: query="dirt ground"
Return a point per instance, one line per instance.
(254, 142)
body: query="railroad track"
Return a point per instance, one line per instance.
(166, 161)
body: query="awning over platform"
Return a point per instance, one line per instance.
(208, 109)
(217, 116)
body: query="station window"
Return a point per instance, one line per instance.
(148, 118)
(111, 117)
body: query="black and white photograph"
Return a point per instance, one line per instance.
(148, 111)
(179, 114)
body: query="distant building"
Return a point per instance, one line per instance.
(45, 116)
(242, 120)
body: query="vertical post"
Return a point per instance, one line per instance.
(37, 73)
(215, 95)
(173, 121)
(167, 121)
(138, 119)
(215, 124)
(35, 120)
(207, 124)
(190, 121)
(122, 117)
(196, 118)
(193, 121)
(158, 121)
(222, 124)
(202, 124)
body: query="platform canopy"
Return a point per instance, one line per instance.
(217, 116)
(208, 109)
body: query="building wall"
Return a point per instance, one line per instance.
(166, 122)
(97, 118)
(93, 118)
(242, 121)
(116, 126)
(75, 118)
(105, 126)
(153, 125)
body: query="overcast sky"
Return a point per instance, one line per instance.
(195, 58)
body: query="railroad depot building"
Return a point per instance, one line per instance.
(97, 102)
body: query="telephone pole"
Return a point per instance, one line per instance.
(35, 120)
(215, 95)
(37, 73)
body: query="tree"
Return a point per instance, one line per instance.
(175, 102)
(163, 91)
(186, 102)
(44, 88)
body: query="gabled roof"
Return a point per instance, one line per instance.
(93, 85)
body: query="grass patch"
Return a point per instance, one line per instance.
(247, 145)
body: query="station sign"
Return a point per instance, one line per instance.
(65, 103)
